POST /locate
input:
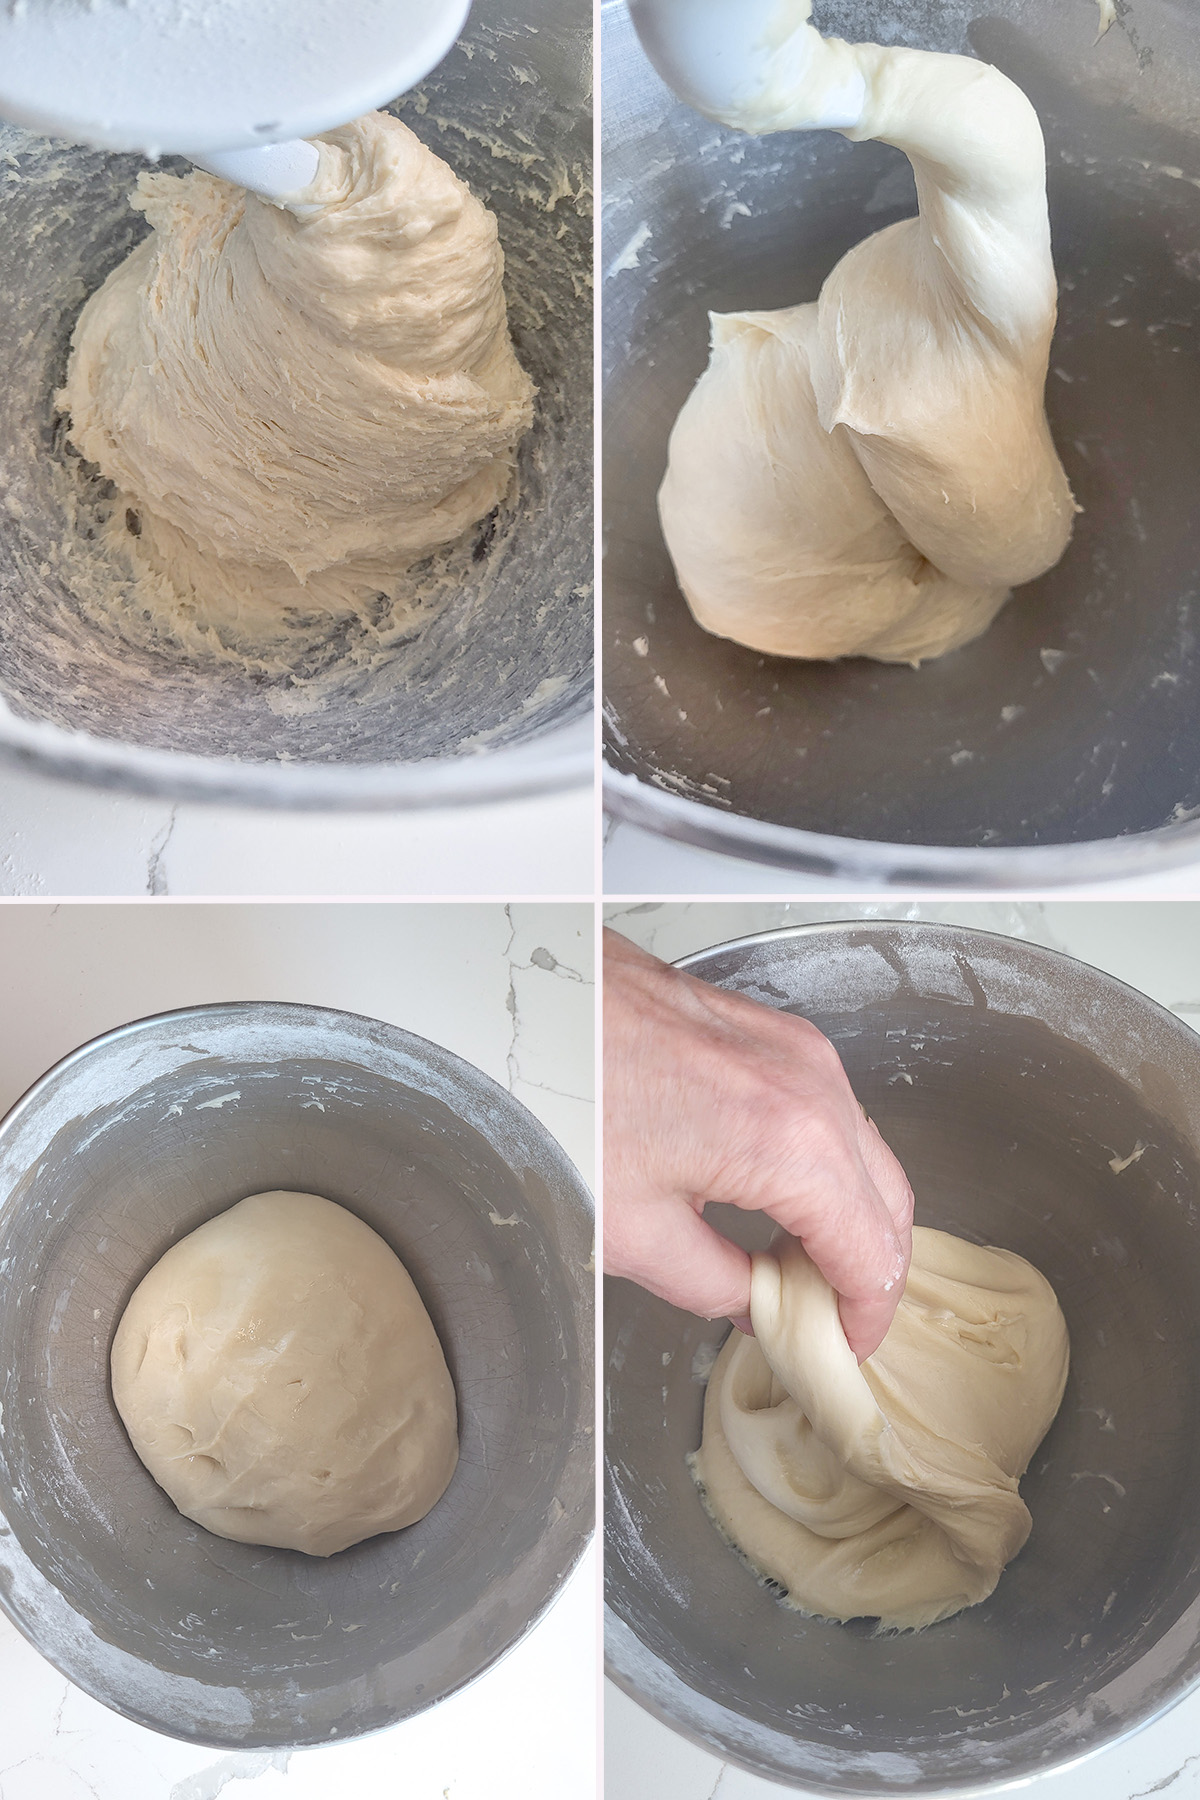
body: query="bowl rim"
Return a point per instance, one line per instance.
(616, 1629)
(674, 1701)
(556, 760)
(581, 1525)
(1004, 868)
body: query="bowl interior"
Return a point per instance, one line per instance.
(128, 1147)
(499, 649)
(1014, 1085)
(1074, 717)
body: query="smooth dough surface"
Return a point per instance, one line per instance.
(280, 1377)
(887, 1491)
(297, 405)
(870, 474)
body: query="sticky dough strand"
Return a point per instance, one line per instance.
(300, 405)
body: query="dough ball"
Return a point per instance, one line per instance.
(280, 1378)
(779, 541)
(888, 1490)
(298, 405)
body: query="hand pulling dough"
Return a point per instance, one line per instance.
(280, 1377)
(871, 473)
(298, 405)
(887, 1491)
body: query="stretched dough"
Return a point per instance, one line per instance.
(871, 473)
(887, 1491)
(296, 405)
(280, 1377)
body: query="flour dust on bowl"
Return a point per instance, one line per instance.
(472, 680)
(1041, 1106)
(123, 1149)
(1062, 744)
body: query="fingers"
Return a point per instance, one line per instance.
(866, 1322)
(851, 1207)
(890, 1180)
(860, 1253)
(684, 1261)
(712, 1096)
(844, 1195)
(867, 1328)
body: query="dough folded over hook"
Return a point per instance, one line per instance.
(871, 473)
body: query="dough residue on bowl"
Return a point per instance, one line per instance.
(889, 1490)
(281, 1379)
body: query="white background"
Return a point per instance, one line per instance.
(62, 837)
(463, 975)
(1154, 946)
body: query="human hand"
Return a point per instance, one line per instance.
(709, 1096)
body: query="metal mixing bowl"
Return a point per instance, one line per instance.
(1064, 744)
(1040, 1105)
(491, 698)
(132, 1142)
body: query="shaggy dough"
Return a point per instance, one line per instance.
(870, 474)
(887, 1491)
(280, 1378)
(296, 405)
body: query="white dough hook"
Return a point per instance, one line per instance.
(722, 56)
(235, 85)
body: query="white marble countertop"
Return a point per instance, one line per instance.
(62, 837)
(511, 990)
(1154, 947)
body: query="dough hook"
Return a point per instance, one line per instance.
(718, 54)
(233, 85)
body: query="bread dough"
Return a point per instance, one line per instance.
(870, 474)
(279, 1376)
(887, 1491)
(296, 404)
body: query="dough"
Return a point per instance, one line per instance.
(296, 405)
(279, 1376)
(870, 474)
(887, 1491)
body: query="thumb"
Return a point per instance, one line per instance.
(859, 1251)
(684, 1261)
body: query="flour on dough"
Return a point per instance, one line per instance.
(887, 1491)
(297, 403)
(280, 1377)
(871, 473)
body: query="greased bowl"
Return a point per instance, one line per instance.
(125, 1147)
(1063, 745)
(1042, 1106)
(489, 694)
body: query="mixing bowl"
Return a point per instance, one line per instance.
(1040, 1105)
(1064, 744)
(128, 1145)
(490, 696)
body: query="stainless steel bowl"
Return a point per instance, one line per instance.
(1064, 745)
(132, 1142)
(492, 697)
(1038, 1104)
